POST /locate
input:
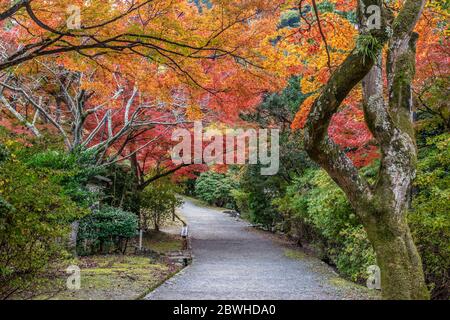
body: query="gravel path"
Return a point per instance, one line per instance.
(233, 261)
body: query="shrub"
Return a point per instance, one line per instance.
(72, 171)
(430, 216)
(35, 219)
(157, 202)
(4, 153)
(106, 230)
(241, 197)
(215, 188)
(315, 202)
(256, 195)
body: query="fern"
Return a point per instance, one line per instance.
(368, 46)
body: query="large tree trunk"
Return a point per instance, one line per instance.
(397, 256)
(382, 207)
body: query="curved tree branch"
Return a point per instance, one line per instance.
(11, 11)
(147, 182)
(317, 143)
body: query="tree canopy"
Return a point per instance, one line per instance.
(110, 81)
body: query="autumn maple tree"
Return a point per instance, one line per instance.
(342, 69)
(131, 70)
(116, 85)
(382, 207)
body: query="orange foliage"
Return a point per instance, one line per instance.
(214, 64)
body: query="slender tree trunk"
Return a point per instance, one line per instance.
(156, 221)
(73, 236)
(135, 187)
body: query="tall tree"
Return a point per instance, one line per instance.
(382, 207)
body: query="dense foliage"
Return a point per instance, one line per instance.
(429, 217)
(317, 212)
(106, 230)
(215, 188)
(158, 203)
(103, 91)
(45, 191)
(34, 225)
(72, 171)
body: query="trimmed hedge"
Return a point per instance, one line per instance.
(106, 230)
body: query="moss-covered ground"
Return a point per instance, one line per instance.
(112, 276)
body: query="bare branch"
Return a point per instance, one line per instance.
(19, 117)
(128, 106)
(42, 111)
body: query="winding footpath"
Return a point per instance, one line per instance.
(234, 261)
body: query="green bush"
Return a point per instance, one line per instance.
(315, 202)
(72, 171)
(35, 219)
(122, 191)
(4, 153)
(106, 230)
(241, 197)
(157, 202)
(430, 216)
(215, 188)
(255, 194)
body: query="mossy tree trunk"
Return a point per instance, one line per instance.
(382, 206)
(398, 259)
